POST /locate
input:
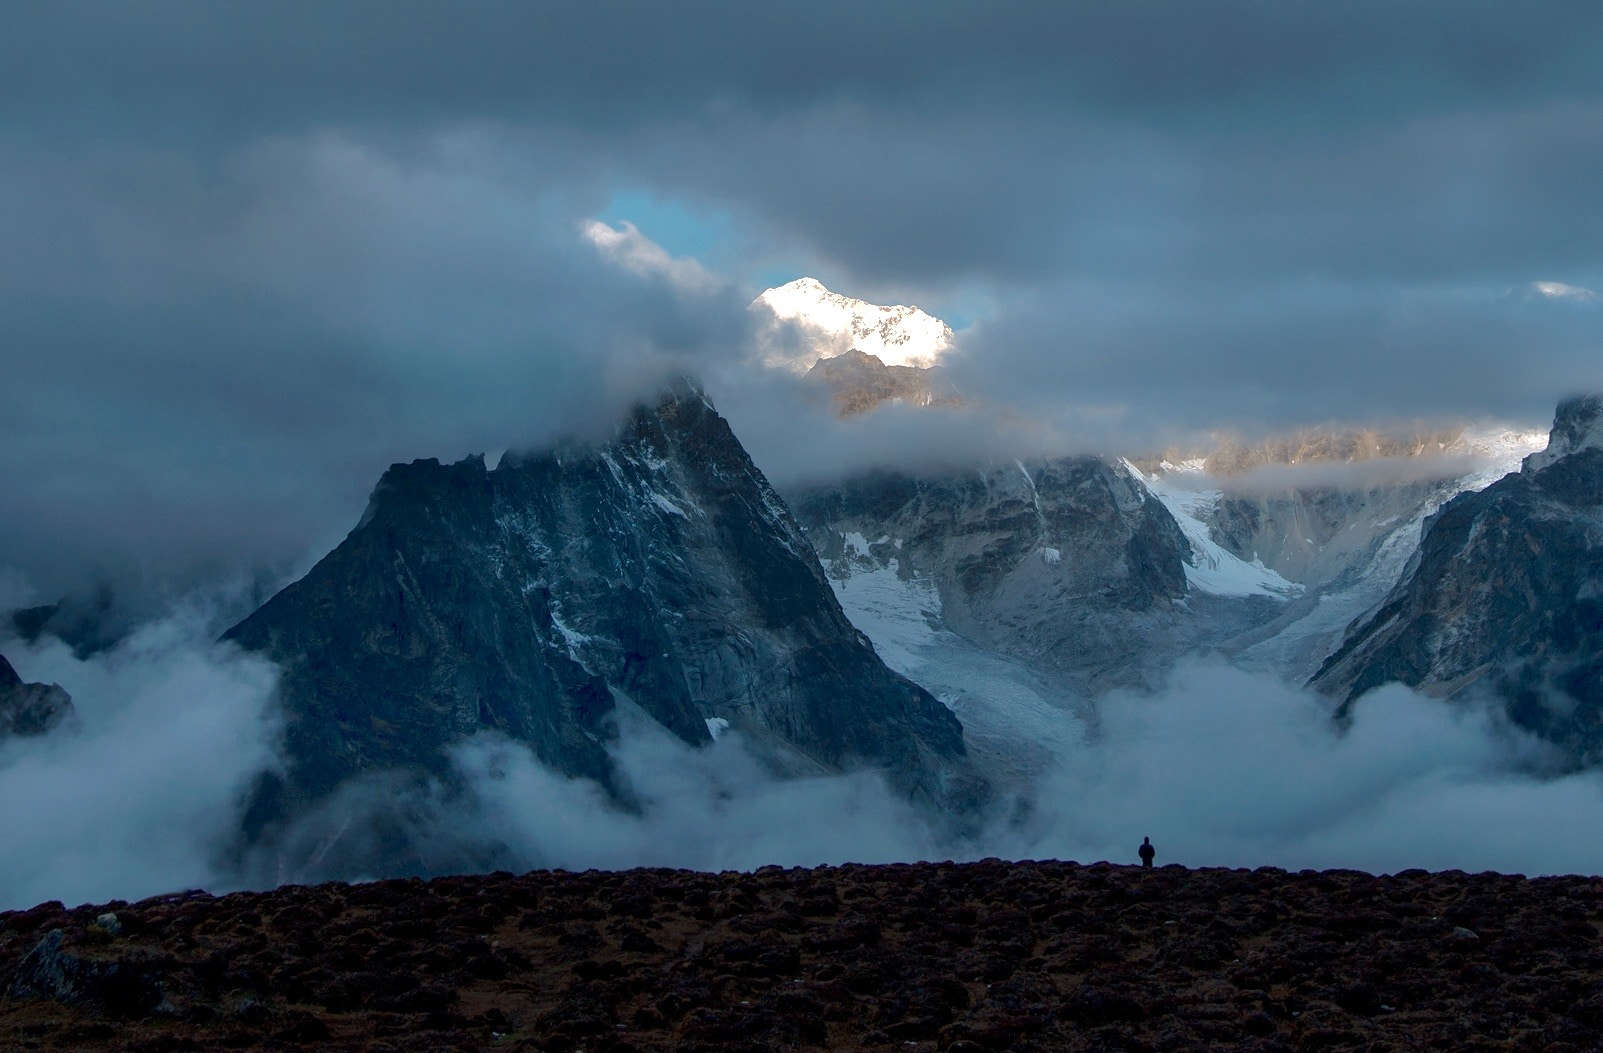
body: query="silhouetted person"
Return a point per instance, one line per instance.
(1147, 851)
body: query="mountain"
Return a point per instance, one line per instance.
(1504, 597)
(859, 382)
(28, 710)
(656, 570)
(88, 624)
(808, 322)
(1052, 562)
(1325, 520)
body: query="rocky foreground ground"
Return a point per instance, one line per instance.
(957, 957)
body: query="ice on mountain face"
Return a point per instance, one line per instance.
(830, 324)
(1211, 569)
(1346, 539)
(1014, 722)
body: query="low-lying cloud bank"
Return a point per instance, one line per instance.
(1225, 768)
(141, 795)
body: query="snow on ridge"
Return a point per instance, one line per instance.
(898, 335)
(1211, 567)
(1501, 451)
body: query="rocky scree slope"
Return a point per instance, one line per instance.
(1069, 564)
(657, 570)
(27, 710)
(985, 956)
(1504, 597)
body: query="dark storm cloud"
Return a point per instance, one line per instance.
(210, 362)
(249, 254)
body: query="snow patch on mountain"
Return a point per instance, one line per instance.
(1211, 568)
(808, 322)
(1014, 722)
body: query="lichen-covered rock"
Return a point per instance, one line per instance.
(658, 567)
(1505, 596)
(117, 987)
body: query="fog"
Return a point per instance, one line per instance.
(139, 794)
(1225, 768)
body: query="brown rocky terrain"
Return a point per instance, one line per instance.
(956, 957)
(859, 382)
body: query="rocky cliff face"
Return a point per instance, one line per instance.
(658, 569)
(1053, 561)
(29, 709)
(1505, 595)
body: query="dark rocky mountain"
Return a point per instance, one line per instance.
(1069, 564)
(30, 709)
(1504, 596)
(859, 381)
(657, 570)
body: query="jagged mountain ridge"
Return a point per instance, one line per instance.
(1504, 597)
(824, 324)
(658, 568)
(1052, 562)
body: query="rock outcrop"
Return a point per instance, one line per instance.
(1504, 596)
(658, 570)
(1054, 562)
(860, 382)
(30, 709)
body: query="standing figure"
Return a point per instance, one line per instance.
(1147, 851)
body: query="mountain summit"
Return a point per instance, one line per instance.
(810, 323)
(657, 570)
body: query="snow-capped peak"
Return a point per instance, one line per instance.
(830, 324)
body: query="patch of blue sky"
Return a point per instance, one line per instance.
(703, 233)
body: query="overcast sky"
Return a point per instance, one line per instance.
(250, 254)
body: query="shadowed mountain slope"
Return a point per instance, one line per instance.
(1505, 596)
(657, 570)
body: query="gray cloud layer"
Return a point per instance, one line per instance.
(250, 255)
(1224, 768)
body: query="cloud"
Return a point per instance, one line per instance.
(1223, 768)
(229, 297)
(1228, 768)
(143, 796)
(635, 252)
(211, 362)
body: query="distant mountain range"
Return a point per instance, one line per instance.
(932, 626)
